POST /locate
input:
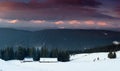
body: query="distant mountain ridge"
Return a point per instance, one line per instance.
(57, 38)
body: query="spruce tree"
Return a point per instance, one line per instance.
(36, 55)
(44, 52)
(54, 53)
(8, 53)
(20, 53)
(63, 56)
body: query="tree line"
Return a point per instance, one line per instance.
(20, 53)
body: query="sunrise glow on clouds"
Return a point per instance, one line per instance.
(72, 14)
(75, 24)
(59, 22)
(89, 22)
(37, 21)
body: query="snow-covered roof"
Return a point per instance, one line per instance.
(28, 59)
(48, 59)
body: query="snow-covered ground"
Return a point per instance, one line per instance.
(79, 62)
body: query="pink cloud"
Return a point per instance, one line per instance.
(89, 22)
(9, 21)
(101, 23)
(73, 22)
(38, 21)
(13, 21)
(58, 22)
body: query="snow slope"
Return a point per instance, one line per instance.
(79, 62)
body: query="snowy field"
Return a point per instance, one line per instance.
(79, 62)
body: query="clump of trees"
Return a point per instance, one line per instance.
(112, 55)
(106, 48)
(20, 53)
(7, 54)
(63, 56)
(36, 54)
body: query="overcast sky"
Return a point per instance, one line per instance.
(72, 14)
